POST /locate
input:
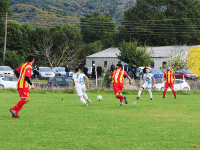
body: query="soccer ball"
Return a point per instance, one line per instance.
(99, 97)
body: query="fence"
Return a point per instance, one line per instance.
(180, 85)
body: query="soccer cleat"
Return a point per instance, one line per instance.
(125, 100)
(89, 101)
(137, 98)
(151, 99)
(86, 104)
(163, 97)
(121, 104)
(174, 97)
(14, 115)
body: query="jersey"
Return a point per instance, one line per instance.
(118, 76)
(25, 71)
(148, 78)
(169, 75)
(78, 79)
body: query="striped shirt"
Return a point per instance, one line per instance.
(118, 75)
(24, 70)
(169, 75)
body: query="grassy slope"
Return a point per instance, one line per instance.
(48, 122)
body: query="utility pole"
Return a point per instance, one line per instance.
(4, 53)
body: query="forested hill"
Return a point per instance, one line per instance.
(51, 12)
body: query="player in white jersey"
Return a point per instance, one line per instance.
(147, 83)
(78, 80)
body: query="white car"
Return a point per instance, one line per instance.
(7, 71)
(8, 82)
(46, 72)
(59, 71)
(178, 86)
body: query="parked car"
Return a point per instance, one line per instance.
(140, 71)
(157, 73)
(46, 72)
(59, 81)
(8, 82)
(7, 71)
(89, 72)
(59, 71)
(179, 85)
(185, 74)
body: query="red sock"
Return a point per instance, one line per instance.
(174, 93)
(164, 93)
(19, 106)
(121, 100)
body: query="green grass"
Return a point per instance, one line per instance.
(60, 121)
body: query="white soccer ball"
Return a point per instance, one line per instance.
(99, 98)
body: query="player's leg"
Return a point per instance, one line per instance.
(150, 93)
(139, 92)
(173, 90)
(80, 95)
(85, 95)
(118, 93)
(165, 91)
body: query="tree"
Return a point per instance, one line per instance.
(97, 27)
(58, 46)
(131, 54)
(162, 22)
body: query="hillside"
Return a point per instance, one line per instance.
(53, 12)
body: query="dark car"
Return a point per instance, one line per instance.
(59, 81)
(157, 73)
(185, 74)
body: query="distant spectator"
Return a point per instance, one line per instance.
(93, 71)
(99, 70)
(75, 69)
(35, 71)
(134, 71)
(112, 67)
(85, 70)
(67, 69)
(144, 70)
(105, 70)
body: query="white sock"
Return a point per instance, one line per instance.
(140, 91)
(82, 100)
(150, 93)
(85, 95)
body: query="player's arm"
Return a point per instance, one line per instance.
(73, 82)
(174, 78)
(110, 78)
(163, 77)
(17, 72)
(28, 76)
(29, 82)
(87, 82)
(154, 80)
(128, 77)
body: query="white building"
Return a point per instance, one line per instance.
(161, 56)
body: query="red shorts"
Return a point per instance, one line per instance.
(24, 92)
(118, 87)
(171, 85)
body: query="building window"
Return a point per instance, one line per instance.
(152, 64)
(119, 62)
(164, 63)
(93, 62)
(105, 63)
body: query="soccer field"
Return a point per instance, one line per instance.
(60, 121)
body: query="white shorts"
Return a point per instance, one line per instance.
(80, 89)
(146, 86)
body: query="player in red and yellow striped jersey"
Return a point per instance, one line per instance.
(24, 75)
(117, 82)
(170, 80)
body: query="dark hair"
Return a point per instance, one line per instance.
(77, 69)
(30, 58)
(119, 65)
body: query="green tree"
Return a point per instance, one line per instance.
(96, 27)
(162, 22)
(133, 55)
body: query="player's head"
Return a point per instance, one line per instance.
(147, 70)
(77, 69)
(30, 59)
(119, 65)
(168, 68)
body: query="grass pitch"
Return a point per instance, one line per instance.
(60, 121)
